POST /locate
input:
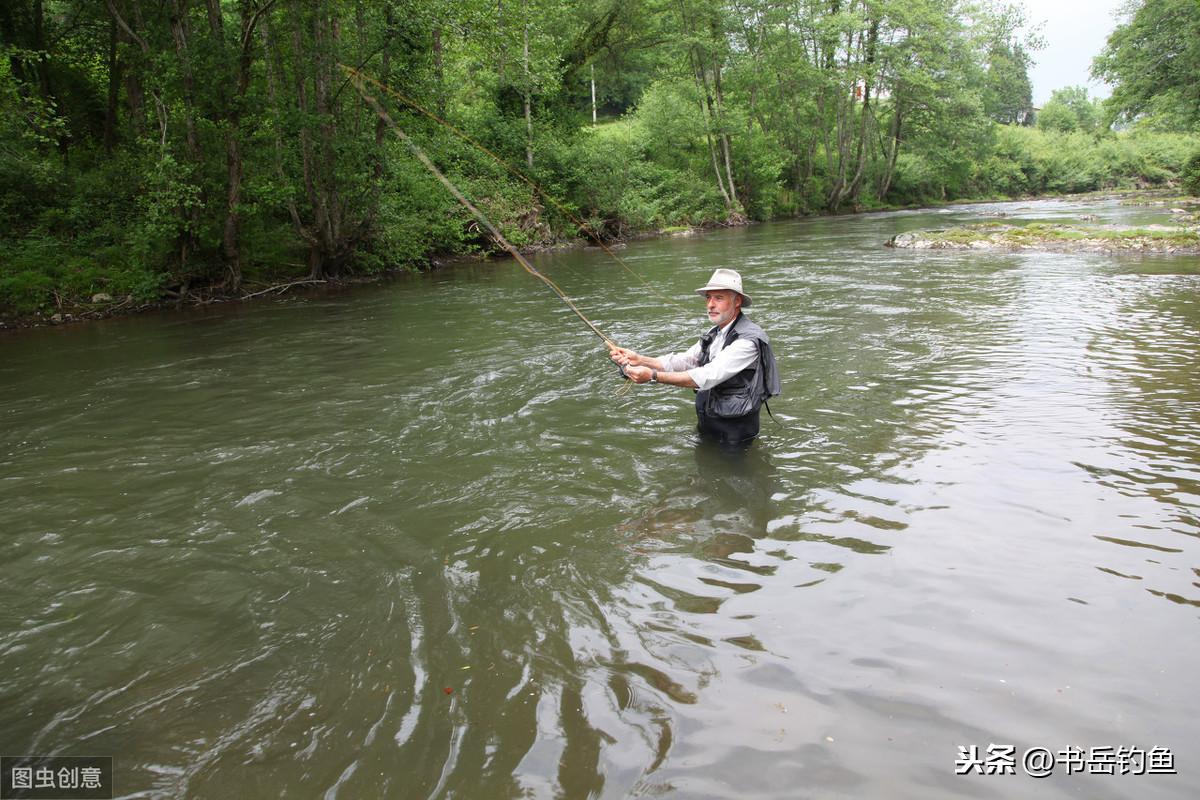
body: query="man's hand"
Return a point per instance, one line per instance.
(628, 358)
(638, 374)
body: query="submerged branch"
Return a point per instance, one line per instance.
(281, 287)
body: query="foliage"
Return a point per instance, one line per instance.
(1069, 110)
(619, 188)
(1153, 61)
(1007, 89)
(160, 149)
(1190, 175)
(1029, 161)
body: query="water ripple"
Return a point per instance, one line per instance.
(413, 542)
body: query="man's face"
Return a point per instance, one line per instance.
(723, 306)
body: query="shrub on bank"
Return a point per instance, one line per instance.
(1031, 161)
(113, 225)
(1190, 175)
(619, 186)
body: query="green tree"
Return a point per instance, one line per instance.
(1008, 92)
(183, 148)
(1152, 60)
(935, 105)
(1068, 110)
(1007, 44)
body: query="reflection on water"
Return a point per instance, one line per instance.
(411, 541)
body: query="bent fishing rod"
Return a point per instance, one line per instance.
(475, 212)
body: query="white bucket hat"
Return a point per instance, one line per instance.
(728, 279)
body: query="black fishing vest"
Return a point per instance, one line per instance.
(745, 392)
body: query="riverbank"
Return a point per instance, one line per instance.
(1181, 238)
(69, 310)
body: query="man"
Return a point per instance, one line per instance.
(732, 365)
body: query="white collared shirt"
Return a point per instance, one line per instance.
(724, 362)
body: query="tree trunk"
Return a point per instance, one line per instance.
(179, 32)
(277, 127)
(863, 133)
(845, 127)
(528, 92)
(885, 182)
(717, 106)
(313, 234)
(42, 69)
(702, 88)
(696, 62)
(114, 90)
(133, 84)
(135, 101)
(235, 171)
(320, 158)
(9, 32)
(233, 160)
(39, 47)
(439, 71)
(386, 77)
(501, 50)
(724, 134)
(705, 102)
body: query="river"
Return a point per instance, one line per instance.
(414, 540)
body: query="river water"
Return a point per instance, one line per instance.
(412, 540)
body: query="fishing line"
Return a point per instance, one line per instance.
(479, 215)
(358, 76)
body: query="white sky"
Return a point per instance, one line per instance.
(1074, 31)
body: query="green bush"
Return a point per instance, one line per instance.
(1026, 160)
(620, 189)
(1001, 176)
(671, 127)
(1190, 175)
(24, 290)
(915, 180)
(759, 163)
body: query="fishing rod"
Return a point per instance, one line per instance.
(356, 79)
(359, 78)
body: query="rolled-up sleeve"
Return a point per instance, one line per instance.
(730, 361)
(681, 362)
